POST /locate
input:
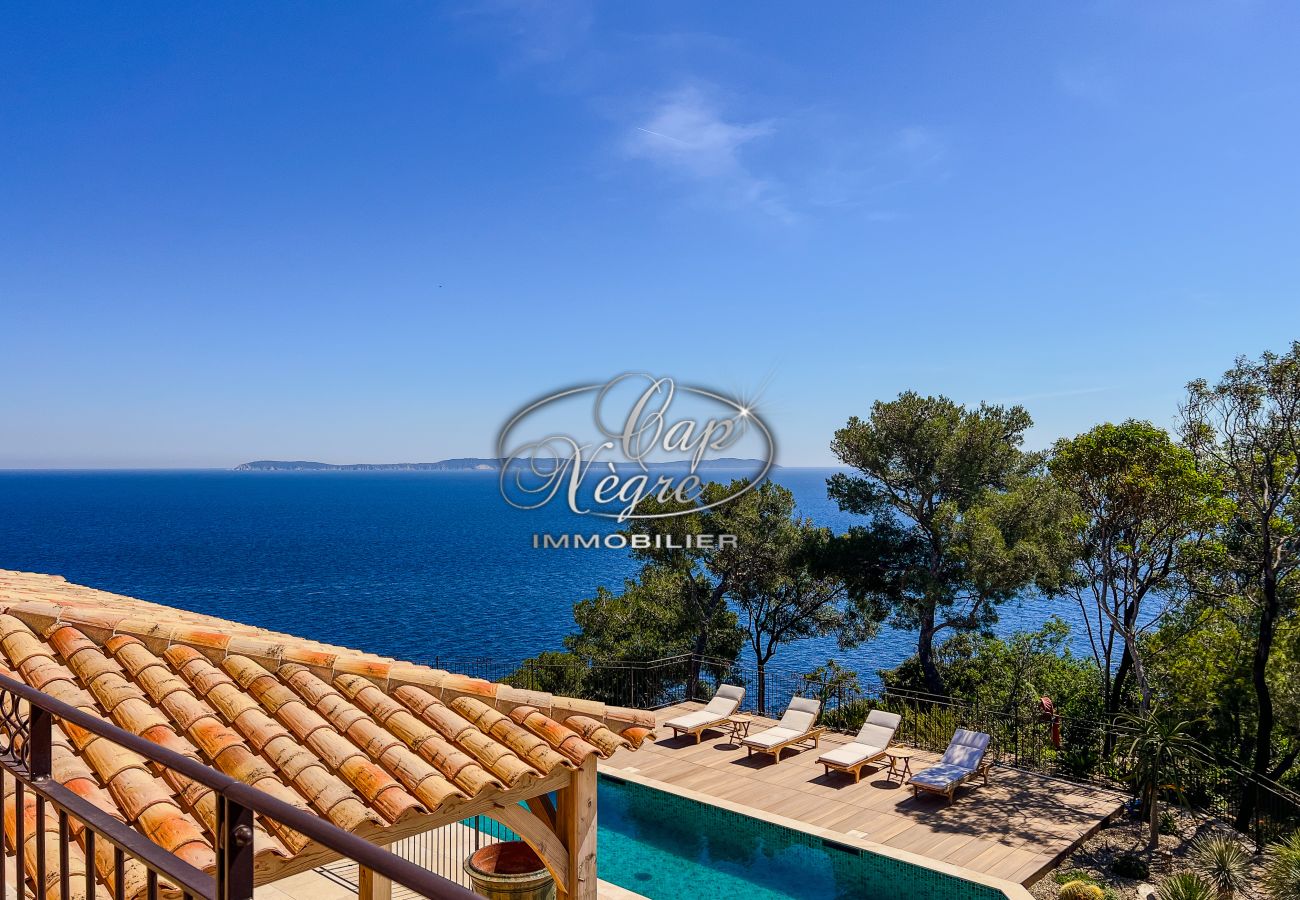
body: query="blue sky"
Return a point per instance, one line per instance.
(370, 232)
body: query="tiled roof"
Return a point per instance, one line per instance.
(362, 740)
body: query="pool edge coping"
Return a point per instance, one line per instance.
(1010, 889)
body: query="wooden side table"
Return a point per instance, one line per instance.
(900, 764)
(740, 726)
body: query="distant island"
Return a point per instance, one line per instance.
(464, 464)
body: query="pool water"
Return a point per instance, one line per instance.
(667, 847)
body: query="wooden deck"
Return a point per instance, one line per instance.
(1017, 828)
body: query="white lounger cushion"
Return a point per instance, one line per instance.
(726, 700)
(801, 715)
(879, 728)
(850, 754)
(722, 706)
(773, 736)
(876, 734)
(797, 721)
(966, 749)
(697, 719)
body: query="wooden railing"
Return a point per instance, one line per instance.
(26, 721)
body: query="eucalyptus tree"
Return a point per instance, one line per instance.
(1245, 430)
(1140, 500)
(959, 517)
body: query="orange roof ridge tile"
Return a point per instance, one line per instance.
(419, 776)
(564, 739)
(222, 747)
(380, 790)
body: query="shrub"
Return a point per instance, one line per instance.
(1168, 823)
(1222, 861)
(1282, 869)
(1065, 876)
(1130, 865)
(1185, 886)
(1081, 890)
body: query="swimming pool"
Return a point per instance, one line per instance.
(668, 847)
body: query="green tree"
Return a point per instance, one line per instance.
(1245, 430)
(960, 519)
(1141, 499)
(790, 598)
(1152, 751)
(701, 581)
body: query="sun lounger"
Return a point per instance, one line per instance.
(722, 707)
(795, 727)
(868, 747)
(963, 760)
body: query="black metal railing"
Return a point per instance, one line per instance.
(442, 850)
(1022, 736)
(64, 817)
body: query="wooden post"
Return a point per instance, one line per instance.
(576, 815)
(372, 886)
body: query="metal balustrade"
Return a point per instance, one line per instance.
(60, 815)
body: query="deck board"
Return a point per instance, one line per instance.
(1016, 828)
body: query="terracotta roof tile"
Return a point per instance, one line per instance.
(360, 739)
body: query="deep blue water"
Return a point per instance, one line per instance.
(413, 565)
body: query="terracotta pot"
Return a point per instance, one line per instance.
(510, 870)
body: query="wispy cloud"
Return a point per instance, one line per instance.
(686, 134)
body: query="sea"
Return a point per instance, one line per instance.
(423, 566)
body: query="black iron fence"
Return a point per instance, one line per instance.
(1023, 737)
(66, 847)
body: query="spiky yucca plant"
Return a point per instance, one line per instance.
(1185, 886)
(1223, 862)
(1282, 869)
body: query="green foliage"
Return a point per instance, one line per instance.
(959, 518)
(849, 715)
(1245, 429)
(1152, 752)
(1131, 865)
(1222, 861)
(1282, 869)
(1185, 886)
(1169, 823)
(552, 671)
(1064, 877)
(1081, 890)
(1007, 673)
(1141, 499)
(832, 683)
